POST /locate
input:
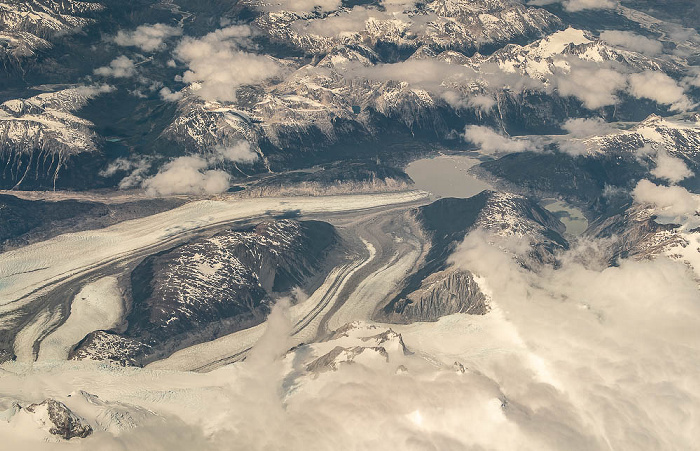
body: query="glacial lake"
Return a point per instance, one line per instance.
(446, 176)
(572, 217)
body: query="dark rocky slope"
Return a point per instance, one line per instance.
(212, 287)
(59, 419)
(437, 289)
(24, 221)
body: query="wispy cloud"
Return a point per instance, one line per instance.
(147, 37)
(120, 67)
(577, 5)
(198, 174)
(491, 142)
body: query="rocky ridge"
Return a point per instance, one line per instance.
(438, 289)
(444, 293)
(635, 233)
(212, 287)
(355, 343)
(58, 419)
(28, 26)
(40, 135)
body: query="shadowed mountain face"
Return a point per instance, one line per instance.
(608, 166)
(26, 221)
(211, 287)
(578, 178)
(441, 294)
(438, 289)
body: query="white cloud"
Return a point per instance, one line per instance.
(497, 78)
(120, 164)
(345, 22)
(693, 78)
(95, 90)
(194, 174)
(577, 5)
(681, 34)
(595, 86)
(147, 37)
(659, 87)
(301, 6)
(187, 175)
(572, 147)
(482, 103)
(669, 200)
(218, 65)
(454, 99)
(137, 175)
(632, 41)
(170, 96)
(427, 74)
(275, 341)
(581, 5)
(579, 128)
(137, 169)
(489, 141)
(402, 3)
(120, 67)
(440, 77)
(585, 127)
(237, 153)
(670, 168)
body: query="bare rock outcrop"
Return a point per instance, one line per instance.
(59, 419)
(441, 294)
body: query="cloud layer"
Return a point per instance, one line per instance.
(490, 142)
(120, 67)
(187, 175)
(670, 201)
(670, 168)
(147, 37)
(585, 127)
(195, 174)
(218, 65)
(632, 41)
(577, 5)
(594, 85)
(660, 88)
(581, 357)
(609, 343)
